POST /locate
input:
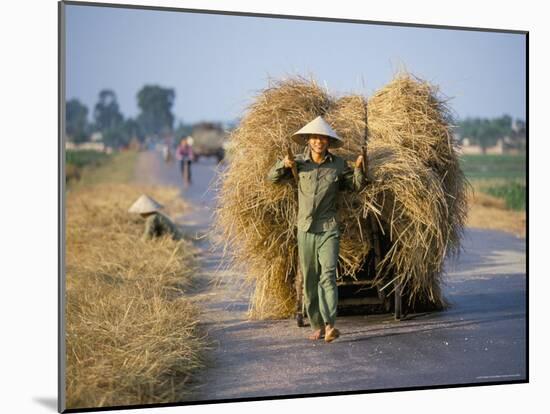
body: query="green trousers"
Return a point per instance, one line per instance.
(318, 253)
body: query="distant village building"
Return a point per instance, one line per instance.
(469, 148)
(94, 144)
(96, 137)
(505, 145)
(505, 135)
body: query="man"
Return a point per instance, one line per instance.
(321, 176)
(156, 224)
(185, 155)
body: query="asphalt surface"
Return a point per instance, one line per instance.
(481, 338)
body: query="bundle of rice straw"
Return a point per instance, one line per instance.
(416, 189)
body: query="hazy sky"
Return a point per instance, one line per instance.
(217, 63)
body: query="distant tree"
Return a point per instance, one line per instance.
(133, 129)
(109, 120)
(486, 132)
(503, 125)
(116, 136)
(77, 127)
(156, 116)
(521, 126)
(106, 112)
(520, 130)
(183, 130)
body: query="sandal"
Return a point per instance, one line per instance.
(332, 335)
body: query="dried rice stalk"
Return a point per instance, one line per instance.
(417, 190)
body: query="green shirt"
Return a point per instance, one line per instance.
(318, 188)
(157, 225)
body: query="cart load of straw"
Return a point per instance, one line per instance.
(415, 199)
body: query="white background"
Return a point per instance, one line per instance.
(28, 209)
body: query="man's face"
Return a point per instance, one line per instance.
(318, 143)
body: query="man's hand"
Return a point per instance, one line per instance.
(288, 163)
(359, 161)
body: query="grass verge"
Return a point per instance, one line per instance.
(490, 212)
(499, 198)
(131, 332)
(115, 168)
(493, 166)
(513, 193)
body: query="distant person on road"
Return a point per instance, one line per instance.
(156, 223)
(166, 153)
(185, 155)
(321, 176)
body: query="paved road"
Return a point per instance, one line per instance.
(480, 338)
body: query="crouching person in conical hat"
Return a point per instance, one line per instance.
(321, 176)
(156, 223)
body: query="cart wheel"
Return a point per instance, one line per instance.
(387, 305)
(398, 302)
(300, 319)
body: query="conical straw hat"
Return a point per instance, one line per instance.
(318, 127)
(144, 204)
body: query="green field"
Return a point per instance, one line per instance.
(81, 158)
(88, 167)
(502, 176)
(513, 192)
(494, 166)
